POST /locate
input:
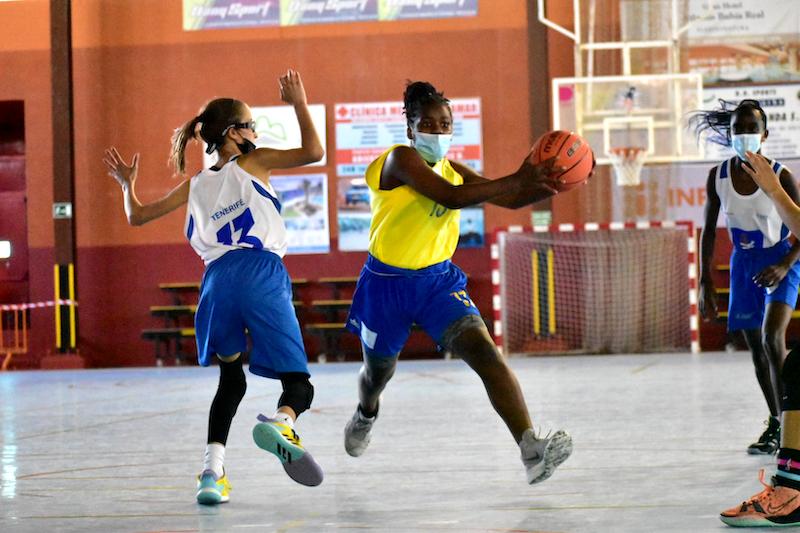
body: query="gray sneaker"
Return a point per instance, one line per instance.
(357, 433)
(541, 456)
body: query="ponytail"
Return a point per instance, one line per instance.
(210, 126)
(180, 138)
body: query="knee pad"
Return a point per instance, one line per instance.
(791, 381)
(379, 369)
(298, 392)
(232, 379)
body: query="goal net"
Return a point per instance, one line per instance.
(597, 288)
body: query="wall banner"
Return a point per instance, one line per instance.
(414, 9)
(365, 130)
(217, 14)
(304, 208)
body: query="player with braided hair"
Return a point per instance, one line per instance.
(416, 194)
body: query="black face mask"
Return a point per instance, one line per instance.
(246, 147)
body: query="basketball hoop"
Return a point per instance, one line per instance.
(628, 162)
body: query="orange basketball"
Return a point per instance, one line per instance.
(571, 151)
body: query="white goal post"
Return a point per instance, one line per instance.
(618, 287)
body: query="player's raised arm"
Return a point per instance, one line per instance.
(311, 150)
(125, 175)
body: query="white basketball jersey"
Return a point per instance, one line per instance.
(753, 222)
(229, 209)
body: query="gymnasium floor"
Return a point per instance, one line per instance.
(659, 446)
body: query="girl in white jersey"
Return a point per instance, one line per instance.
(764, 274)
(233, 222)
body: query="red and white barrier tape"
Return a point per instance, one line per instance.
(36, 305)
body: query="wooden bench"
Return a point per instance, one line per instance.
(175, 312)
(169, 338)
(330, 335)
(337, 283)
(724, 314)
(331, 308)
(180, 289)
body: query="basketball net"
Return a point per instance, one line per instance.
(628, 163)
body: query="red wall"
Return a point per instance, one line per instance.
(137, 76)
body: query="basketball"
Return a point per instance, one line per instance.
(571, 151)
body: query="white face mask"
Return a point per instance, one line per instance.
(746, 142)
(432, 146)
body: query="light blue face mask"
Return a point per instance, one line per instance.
(746, 142)
(431, 146)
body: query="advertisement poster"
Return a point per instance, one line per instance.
(782, 105)
(365, 130)
(471, 231)
(719, 21)
(415, 9)
(304, 208)
(744, 41)
(295, 12)
(218, 14)
(277, 128)
(353, 214)
(221, 14)
(670, 192)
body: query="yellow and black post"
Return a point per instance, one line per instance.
(66, 315)
(544, 292)
(66, 319)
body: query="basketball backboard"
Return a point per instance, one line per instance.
(637, 111)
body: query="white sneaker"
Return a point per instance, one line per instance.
(541, 456)
(357, 433)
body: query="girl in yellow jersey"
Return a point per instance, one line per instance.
(408, 279)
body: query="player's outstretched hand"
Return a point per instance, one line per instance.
(762, 173)
(123, 173)
(707, 302)
(292, 90)
(543, 175)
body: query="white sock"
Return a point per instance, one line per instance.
(283, 418)
(215, 457)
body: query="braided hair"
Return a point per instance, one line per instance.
(210, 125)
(717, 122)
(417, 96)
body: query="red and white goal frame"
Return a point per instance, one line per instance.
(691, 251)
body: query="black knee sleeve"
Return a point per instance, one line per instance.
(231, 390)
(378, 370)
(791, 381)
(298, 392)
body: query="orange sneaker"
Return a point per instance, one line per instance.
(775, 506)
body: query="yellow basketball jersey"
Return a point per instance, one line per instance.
(409, 230)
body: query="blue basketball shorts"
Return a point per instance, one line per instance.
(250, 290)
(389, 300)
(747, 301)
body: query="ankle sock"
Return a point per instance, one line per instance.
(283, 418)
(788, 474)
(214, 458)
